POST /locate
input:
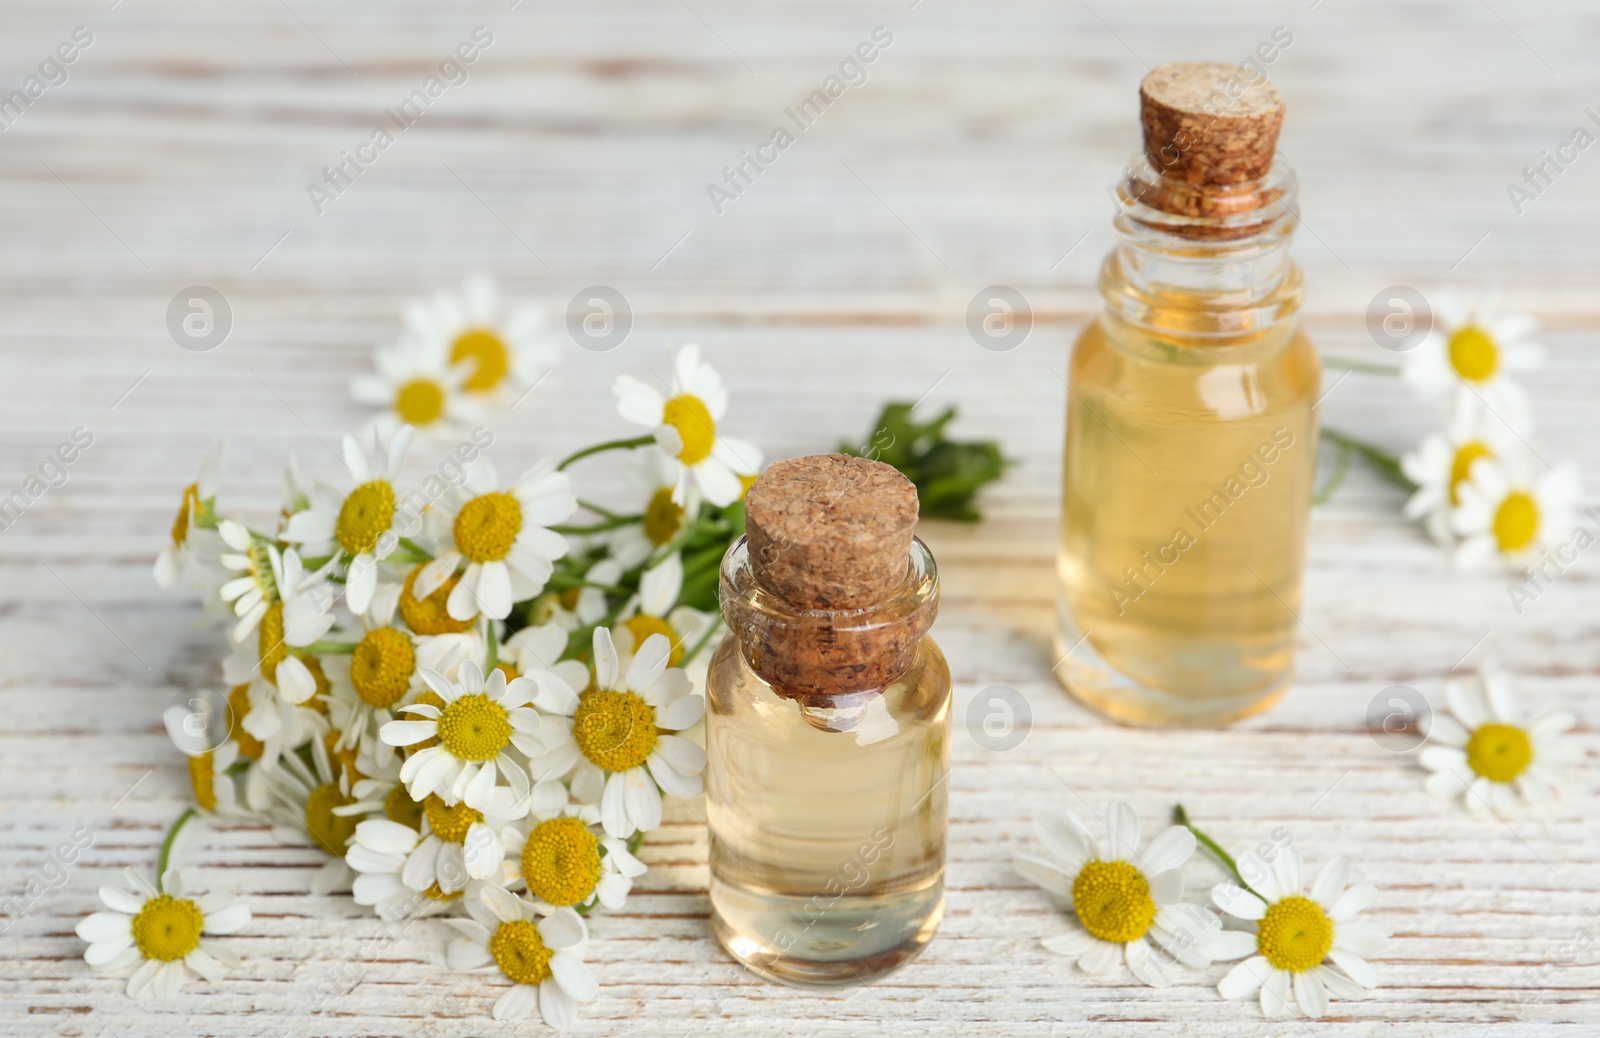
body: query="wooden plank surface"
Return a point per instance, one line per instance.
(577, 152)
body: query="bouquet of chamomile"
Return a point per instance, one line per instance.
(470, 691)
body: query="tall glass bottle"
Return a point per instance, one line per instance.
(827, 729)
(1191, 435)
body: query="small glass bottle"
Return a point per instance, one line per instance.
(827, 729)
(1191, 435)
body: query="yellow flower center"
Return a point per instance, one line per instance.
(318, 700)
(1113, 902)
(381, 666)
(420, 401)
(520, 952)
(1461, 466)
(475, 728)
(432, 698)
(449, 824)
(1473, 354)
(615, 730)
(202, 776)
(745, 483)
(1295, 934)
(330, 831)
(399, 807)
(270, 647)
(238, 707)
(663, 517)
(1499, 752)
(431, 615)
(191, 504)
(364, 516)
(437, 893)
(1516, 521)
(487, 526)
(167, 928)
(509, 670)
(692, 418)
(488, 352)
(343, 760)
(642, 627)
(561, 861)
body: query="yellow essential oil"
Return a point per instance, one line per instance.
(1191, 429)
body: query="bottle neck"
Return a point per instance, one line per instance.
(817, 656)
(1204, 266)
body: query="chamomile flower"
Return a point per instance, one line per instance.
(255, 590)
(1486, 750)
(275, 726)
(363, 522)
(1127, 903)
(452, 845)
(214, 789)
(416, 386)
(685, 427)
(378, 854)
(560, 859)
(617, 741)
(651, 478)
(297, 616)
(1305, 945)
(1443, 461)
(191, 539)
(428, 615)
(385, 670)
(165, 934)
(1508, 512)
(543, 957)
(300, 803)
(502, 538)
(655, 611)
(1474, 349)
(502, 352)
(479, 721)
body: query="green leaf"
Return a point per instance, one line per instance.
(948, 473)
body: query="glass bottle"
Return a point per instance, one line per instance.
(1191, 442)
(828, 745)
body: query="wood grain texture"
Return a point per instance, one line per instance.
(578, 152)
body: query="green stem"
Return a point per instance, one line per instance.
(635, 842)
(559, 581)
(609, 524)
(166, 847)
(1361, 366)
(1387, 465)
(609, 445)
(493, 644)
(416, 549)
(590, 506)
(332, 648)
(1341, 467)
(1181, 817)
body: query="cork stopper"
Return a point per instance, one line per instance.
(829, 594)
(830, 531)
(1206, 123)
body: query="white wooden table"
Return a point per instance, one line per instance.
(578, 152)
